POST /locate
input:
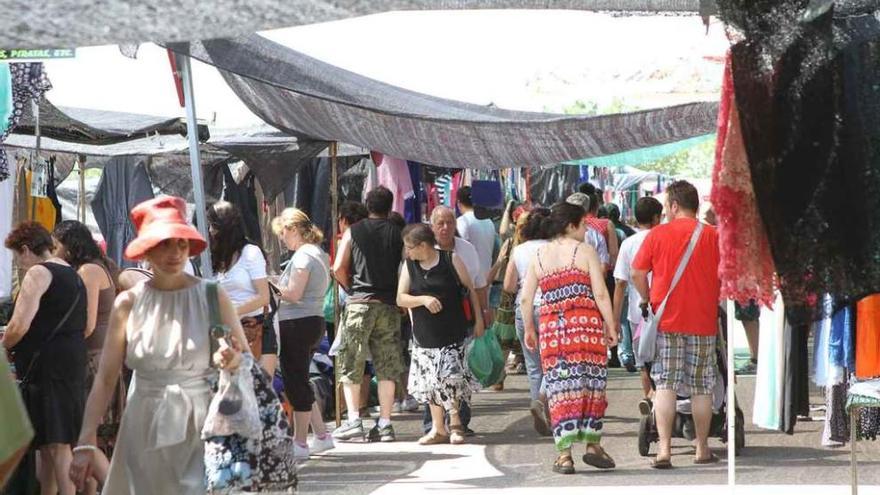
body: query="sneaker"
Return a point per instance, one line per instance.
(645, 407)
(349, 430)
(410, 404)
(382, 434)
(300, 453)
(316, 446)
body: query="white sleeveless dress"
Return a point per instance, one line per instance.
(159, 450)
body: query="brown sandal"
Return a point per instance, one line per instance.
(599, 460)
(435, 438)
(563, 464)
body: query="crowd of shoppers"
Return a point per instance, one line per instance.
(412, 297)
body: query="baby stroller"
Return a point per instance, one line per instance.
(683, 426)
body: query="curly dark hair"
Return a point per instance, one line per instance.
(30, 235)
(227, 233)
(78, 243)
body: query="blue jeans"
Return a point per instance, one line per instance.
(625, 349)
(532, 358)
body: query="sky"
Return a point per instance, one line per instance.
(522, 60)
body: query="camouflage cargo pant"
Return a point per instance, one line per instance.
(372, 328)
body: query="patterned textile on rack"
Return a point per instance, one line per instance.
(805, 84)
(29, 82)
(747, 271)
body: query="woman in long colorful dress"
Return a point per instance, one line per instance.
(576, 327)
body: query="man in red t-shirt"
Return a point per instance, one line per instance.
(685, 361)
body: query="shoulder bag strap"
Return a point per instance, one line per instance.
(56, 329)
(215, 321)
(681, 267)
(447, 257)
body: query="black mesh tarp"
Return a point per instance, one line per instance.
(300, 94)
(71, 23)
(99, 127)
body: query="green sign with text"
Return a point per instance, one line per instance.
(40, 54)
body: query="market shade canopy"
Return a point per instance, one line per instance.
(302, 95)
(99, 127)
(73, 23)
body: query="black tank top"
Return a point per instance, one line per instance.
(54, 304)
(449, 325)
(375, 255)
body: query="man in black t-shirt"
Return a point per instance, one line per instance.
(367, 266)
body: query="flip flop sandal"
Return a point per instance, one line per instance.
(600, 461)
(661, 464)
(712, 459)
(563, 464)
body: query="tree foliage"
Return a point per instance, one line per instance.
(694, 162)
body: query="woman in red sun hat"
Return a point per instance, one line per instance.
(160, 328)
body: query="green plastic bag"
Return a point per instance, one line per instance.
(485, 358)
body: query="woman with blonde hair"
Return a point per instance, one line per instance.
(301, 287)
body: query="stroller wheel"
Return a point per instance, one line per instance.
(644, 435)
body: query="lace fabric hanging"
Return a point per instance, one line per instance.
(805, 89)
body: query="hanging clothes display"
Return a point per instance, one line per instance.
(244, 196)
(842, 340)
(124, 184)
(551, 185)
(837, 422)
(7, 197)
(796, 396)
(868, 337)
(393, 173)
(444, 189)
(767, 411)
(805, 84)
(413, 204)
(747, 271)
(869, 423)
(52, 193)
(39, 208)
(29, 82)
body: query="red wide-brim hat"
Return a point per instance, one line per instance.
(158, 220)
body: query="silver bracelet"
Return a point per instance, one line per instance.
(83, 448)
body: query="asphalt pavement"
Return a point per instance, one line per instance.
(772, 457)
(506, 453)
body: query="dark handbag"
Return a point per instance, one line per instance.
(466, 306)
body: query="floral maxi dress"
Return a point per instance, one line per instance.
(574, 356)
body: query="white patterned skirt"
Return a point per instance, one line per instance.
(441, 376)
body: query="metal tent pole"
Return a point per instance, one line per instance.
(192, 131)
(81, 162)
(731, 399)
(334, 215)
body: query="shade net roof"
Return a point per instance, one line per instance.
(302, 95)
(99, 127)
(73, 23)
